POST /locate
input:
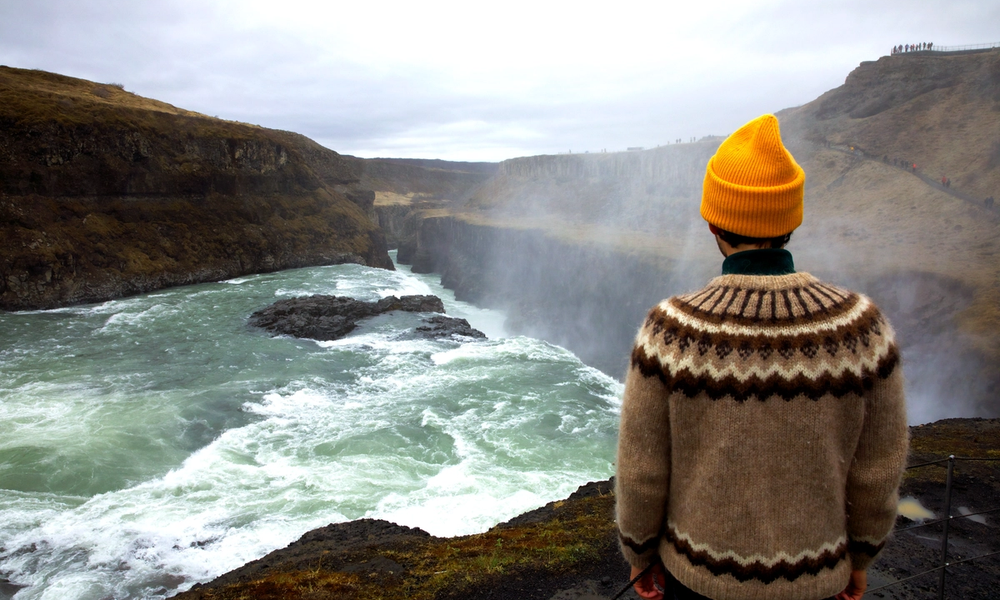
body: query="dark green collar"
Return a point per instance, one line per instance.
(770, 261)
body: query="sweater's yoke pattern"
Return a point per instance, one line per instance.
(808, 339)
(762, 438)
(728, 302)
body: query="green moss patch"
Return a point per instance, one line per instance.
(575, 534)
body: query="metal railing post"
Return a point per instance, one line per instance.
(951, 460)
(947, 520)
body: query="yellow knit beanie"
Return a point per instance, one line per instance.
(753, 187)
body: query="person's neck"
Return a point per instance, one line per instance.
(728, 250)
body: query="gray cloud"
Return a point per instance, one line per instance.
(454, 81)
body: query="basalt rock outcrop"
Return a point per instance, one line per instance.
(104, 194)
(440, 326)
(324, 318)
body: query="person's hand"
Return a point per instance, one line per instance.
(856, 586)
(646, 586)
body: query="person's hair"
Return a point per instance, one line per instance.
(735, 239)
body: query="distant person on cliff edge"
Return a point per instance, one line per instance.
(763, 426)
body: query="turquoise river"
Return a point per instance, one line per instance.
(153, 442)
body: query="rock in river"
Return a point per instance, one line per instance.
(332, 317)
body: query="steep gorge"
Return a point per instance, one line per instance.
(577, 247)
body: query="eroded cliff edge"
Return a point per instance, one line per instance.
(104, 194)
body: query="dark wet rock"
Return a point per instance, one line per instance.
(8, 589)
(360, 533)
(336, 547)
(544, 513)
(441, 326)
(321, 317)
(332, 317)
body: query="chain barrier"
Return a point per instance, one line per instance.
(942, 569)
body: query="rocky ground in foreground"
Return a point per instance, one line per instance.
(568, 549)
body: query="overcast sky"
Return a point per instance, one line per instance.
(479, 80)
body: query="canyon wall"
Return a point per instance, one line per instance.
(105, 194)
(589, 298)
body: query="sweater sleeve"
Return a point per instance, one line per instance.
(876, 470)
(643, 466)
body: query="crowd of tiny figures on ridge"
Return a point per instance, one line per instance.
(912, 47)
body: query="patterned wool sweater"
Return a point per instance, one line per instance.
(763, 437)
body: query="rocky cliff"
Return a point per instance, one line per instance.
(405, 186)
(577, 247)
(938, 110)
(104, 194)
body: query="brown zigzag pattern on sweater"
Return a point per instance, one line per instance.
(866, 548)
(636, 546)
(756, 570)
(690, 385)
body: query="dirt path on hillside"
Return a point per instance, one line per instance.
(987, 204)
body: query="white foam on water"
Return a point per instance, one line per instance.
(514, 348)
(406, 286)
(382, 343)
(229, 503)
(466, 351)
(445, 511)
(447, 436)
(82, 309)
(66, 417)
(111, 306)
(289, 293)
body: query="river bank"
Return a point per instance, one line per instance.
(568, 549)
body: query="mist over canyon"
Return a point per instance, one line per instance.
(577, 247)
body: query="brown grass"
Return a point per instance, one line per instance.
(43, 97)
